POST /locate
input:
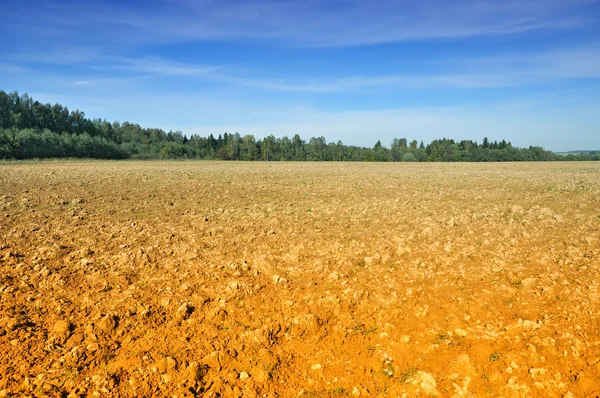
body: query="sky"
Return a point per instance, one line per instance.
(527, 71)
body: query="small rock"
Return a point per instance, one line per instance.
(195, 372)
(244, 376)
(528, 282)
(212, 360)
(183, 308)
(108, 324)
(61, 329)
(426, 382)
(460, 332)
(85, 261)
(184, 311)
(260, 376)
(405, 339)
(171, 363)
(355, 392)
(537, 372)
(316, 366)
(92, 347)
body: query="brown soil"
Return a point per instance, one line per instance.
(287, 279)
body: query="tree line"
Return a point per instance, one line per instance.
(30, 129)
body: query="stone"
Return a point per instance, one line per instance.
(171, 363)
(107, 324)
(528, 282)
(165, 302)
(460, 332)
(184, 311)
(212, 360)
(61, 329)
(536, 373)
(260, 375)
(195, 372)
(92, 347)
(426, 382)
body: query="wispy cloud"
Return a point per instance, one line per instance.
(122, 69)
(342, 23)
(369, 83)
(98, 59)
(507, 70)
(310, 22)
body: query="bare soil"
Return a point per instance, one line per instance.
(299, 279)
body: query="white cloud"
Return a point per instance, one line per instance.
(319, 23)
(334, 23)
(501, 70)
(160, 66)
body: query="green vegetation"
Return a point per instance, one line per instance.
(406, 374)
(30, 129)
(494, 356)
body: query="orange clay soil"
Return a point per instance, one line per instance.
(299, 279)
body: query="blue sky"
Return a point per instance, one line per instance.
(527, 71)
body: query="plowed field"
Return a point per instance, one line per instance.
(311, 279)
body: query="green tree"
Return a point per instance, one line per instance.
(298, 146)
(409, 157)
